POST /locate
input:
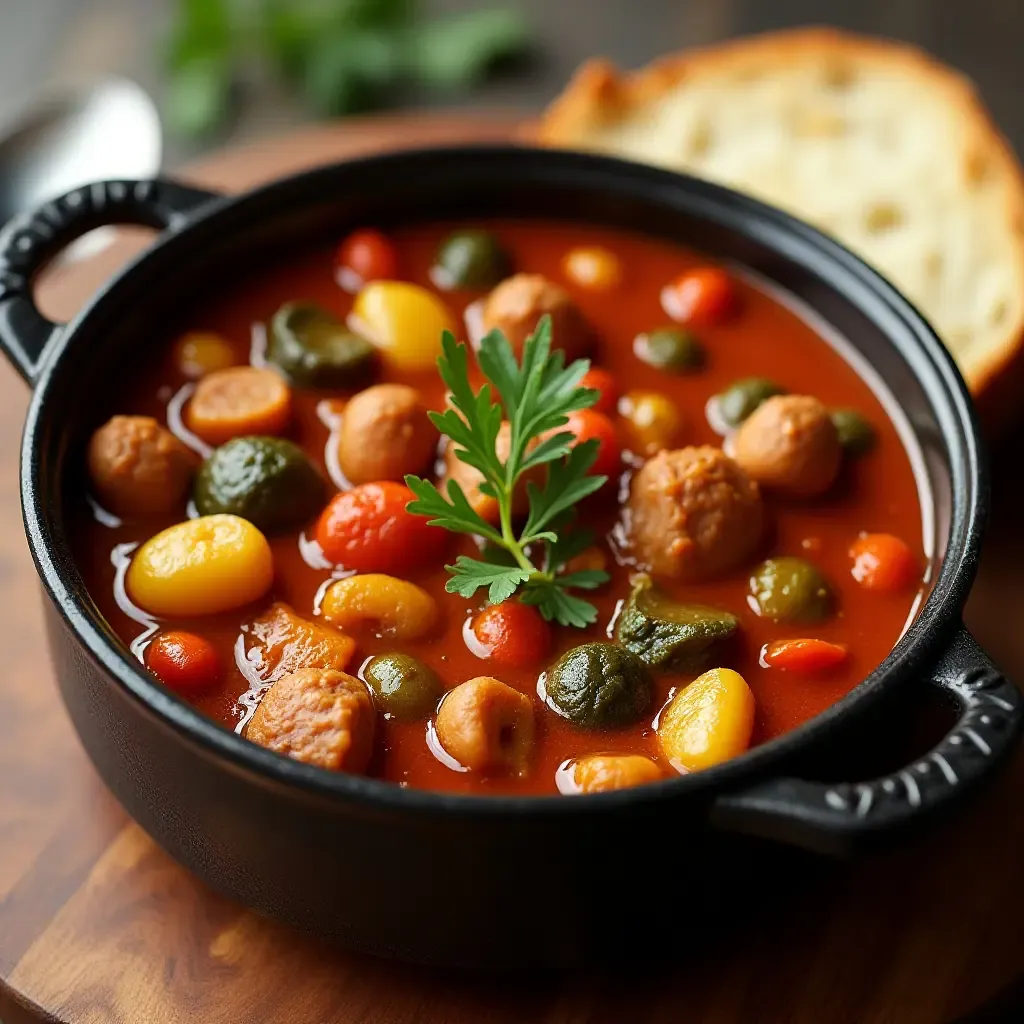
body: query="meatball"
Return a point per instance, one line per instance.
(469, 478)
(515, 306)
(487, 725)
(693, 514)
(139, 468)
(385, 433)
(789, 443)
(320, 716)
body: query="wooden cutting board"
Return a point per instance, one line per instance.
(97, 925)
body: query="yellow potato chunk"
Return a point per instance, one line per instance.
(201, 567)
(384, 603)
(404, 322)
(708, 721)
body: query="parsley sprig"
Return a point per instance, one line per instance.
(537, 394)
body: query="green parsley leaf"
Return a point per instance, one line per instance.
(538, 392)
(556, 603)
(469, 575)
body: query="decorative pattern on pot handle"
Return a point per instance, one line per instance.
(843, 817)
(31, 239)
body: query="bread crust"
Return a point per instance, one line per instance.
(599, 95)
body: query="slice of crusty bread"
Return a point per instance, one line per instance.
(871, 141)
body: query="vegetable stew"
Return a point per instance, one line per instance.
(509, 507)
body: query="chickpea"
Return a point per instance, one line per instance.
(385, 433)
(319, 716)
(601, 773)
(515, 306)
(790, 443)
(487, 726)
(139, 468)
(385, 603)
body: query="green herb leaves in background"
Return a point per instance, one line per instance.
(537, 393)
(344, 56)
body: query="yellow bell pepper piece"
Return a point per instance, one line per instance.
(404, 321)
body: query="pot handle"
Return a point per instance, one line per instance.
(844, 817)
(31, 239)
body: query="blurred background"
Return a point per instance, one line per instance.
(275, 65)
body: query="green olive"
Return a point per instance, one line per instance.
(790, 590)
(314, 349)
(856, 435)
(599, 686)
(670, 634)
(671, 349)
(469, 259)
(267, 480)
(742, 397)
(402, 685)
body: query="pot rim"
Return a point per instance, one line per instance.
(840, 269)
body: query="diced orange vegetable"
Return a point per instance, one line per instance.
(707, 722)
(804, 655)
(240, 400)
(603, 381)
(511, 633)
(884, 562)
(280, 642)
(201, 352)
(593, 268)
(702, 297)
(184, 662)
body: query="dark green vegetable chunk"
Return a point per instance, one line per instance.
(314, 349)
(402, 685)
(856, 435)
(742, 397)
(470, 259)
(599, 686)
(267, 480)
(790, 590)
(669, 634)
(671, 349)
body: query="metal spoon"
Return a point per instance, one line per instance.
(109, 129)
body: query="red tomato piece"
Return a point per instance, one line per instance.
(511, 633)
(184, 662)
(587, 424)
(603, 381)
(884, 562)
(366, 255)
(702, 297)
(803, 655)
(369, 529)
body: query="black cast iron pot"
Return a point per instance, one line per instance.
(456, 879)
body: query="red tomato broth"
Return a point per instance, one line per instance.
(877, 493)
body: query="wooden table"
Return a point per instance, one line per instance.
(98, 925)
